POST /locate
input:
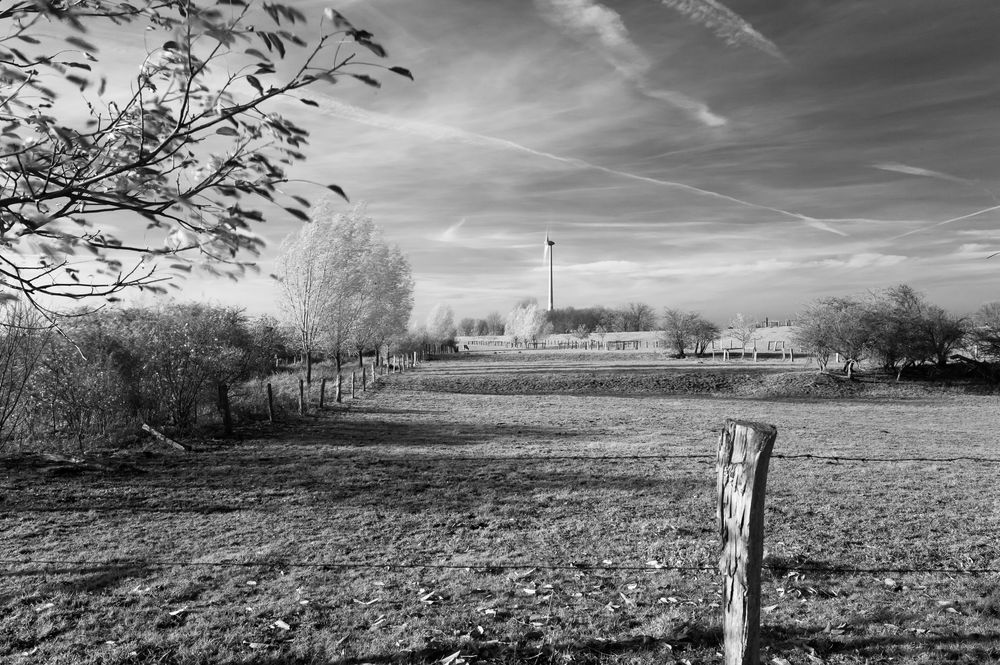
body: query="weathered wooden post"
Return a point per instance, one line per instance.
(744, 454)
(339, 387)
(353, 392)
(322, 393)
(302, 397)
(270, 404)
(227, 416)
(364, 380)
(791, 355)
(414, 359)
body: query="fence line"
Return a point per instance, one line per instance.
(492, 565)
(705, 457)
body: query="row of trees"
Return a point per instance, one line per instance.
(104, 373)
(895, 328)
(632, 317)
(345, 289)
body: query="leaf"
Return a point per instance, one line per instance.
(309, 102)
(227, 131)
(255, 53)
(80, 43)
(402, 71)
(252, 80)
(338, 190)
(30, 40)
(298, 213)
(338, 19)
(373, 47)
(171, 46)
(282, 625)
(367, 80)
(185, 608)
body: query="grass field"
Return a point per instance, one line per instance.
(448, 513)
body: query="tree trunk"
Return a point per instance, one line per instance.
(309, 366)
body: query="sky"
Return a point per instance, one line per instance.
(741, 157)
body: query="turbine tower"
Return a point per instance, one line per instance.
(548, 255)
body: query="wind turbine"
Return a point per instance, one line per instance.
(548, 255)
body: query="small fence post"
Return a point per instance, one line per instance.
(744, 454)
(270, 404)
(322, 392)
(227, 416)
(364, 380)
(353, 393)
(339, 383)
(302, 397)
(791, 355)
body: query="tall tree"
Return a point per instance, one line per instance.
(344, 288)
(180, 152)
(744, 331)
(494, 323)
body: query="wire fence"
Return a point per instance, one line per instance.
(485, 566)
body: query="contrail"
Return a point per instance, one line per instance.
(896, 167)
(443, 132)
(604, 30)
(948, 221)
(726, 24)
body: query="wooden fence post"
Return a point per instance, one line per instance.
(227, 416)
(302, 398)
(270, 404)
(340, 380)
(744, 454)
(322, 392)
(353, 393)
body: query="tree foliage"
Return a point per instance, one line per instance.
(188, 149)
(344, 288)
(525, 322)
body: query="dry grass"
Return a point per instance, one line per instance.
(407, 476)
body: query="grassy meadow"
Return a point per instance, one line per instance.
(516, 507)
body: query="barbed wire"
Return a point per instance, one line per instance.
(705, 457)
(487, 566)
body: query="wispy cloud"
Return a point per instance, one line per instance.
(725, 23)
(435, 131)
(450, 234)
(675, 269)
(604, 30)
(896, 167)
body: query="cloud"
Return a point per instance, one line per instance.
(948, 221)
(701, 269)
(439, 132)
(896, 167)
(605, 31)
(726, 24)
(450, 234)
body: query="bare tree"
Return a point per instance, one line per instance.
(744, 331)
(687, 329)
(24, 336)
(494, 323)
